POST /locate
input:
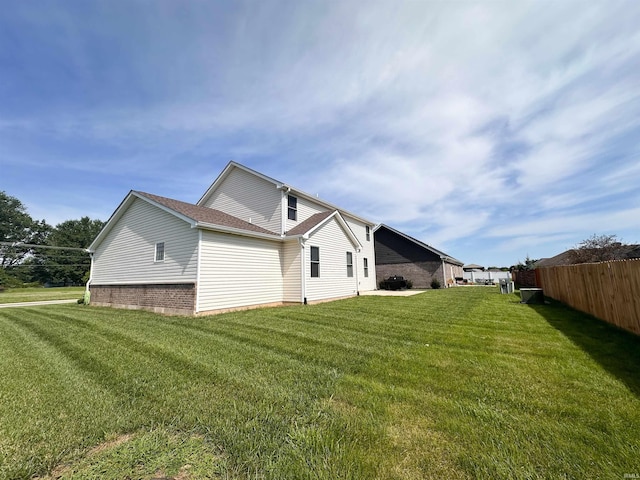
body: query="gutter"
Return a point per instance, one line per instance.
(237, 231)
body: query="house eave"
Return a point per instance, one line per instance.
(237, 231)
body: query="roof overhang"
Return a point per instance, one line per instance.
(341, 221)
(124, 205)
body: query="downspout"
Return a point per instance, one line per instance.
(198, 260)
(357, 276)
(303, 275)
(87, 292)
(444, 274)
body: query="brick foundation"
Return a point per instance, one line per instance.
(177, 299)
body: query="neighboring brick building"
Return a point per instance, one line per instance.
(400, 254)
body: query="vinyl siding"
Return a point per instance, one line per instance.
(368, 251)
(306, 209)
(249, 198)
(291, 273)
(333, 281)
(238, 271)
(126, 255)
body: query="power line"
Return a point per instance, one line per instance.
(20, 244)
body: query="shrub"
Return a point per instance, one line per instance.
(409, 284)
(435, 283)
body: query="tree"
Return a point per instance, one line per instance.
(597, 248)
(17, 228)
(69, 264)
(529, 264)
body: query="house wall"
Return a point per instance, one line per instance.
(396, 255)
(239, 271)
(161, 298)
(420, 273)
(368, 251)
(306, 209)
(291, 271)
(333, 281)
(126, 256)
(249, 198)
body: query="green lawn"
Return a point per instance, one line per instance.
(15, 295)
(457, 383)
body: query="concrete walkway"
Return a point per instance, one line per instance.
(393, 293)
(36, 304)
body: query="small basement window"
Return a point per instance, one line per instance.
(160, 252)
(292, 207)
(315, 261)
(349, 264)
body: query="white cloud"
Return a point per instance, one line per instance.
(447, 120)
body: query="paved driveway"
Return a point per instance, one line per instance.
(393, 293)
(36, 304)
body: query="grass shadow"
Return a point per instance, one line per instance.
(616, 350)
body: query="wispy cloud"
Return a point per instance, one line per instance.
(513, 124)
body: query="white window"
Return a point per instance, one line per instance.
(368, 230)
(292, 207)
(349, 264)
(366, 267)
(315, 261)
(160, 252)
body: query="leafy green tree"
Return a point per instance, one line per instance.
(69, 264)
(17, 231)
(529, 264)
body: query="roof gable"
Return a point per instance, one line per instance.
(278, 184)
(225, 173)
(431, 249)
(315, 222)
(194, 215)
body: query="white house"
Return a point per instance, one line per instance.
(249, 241)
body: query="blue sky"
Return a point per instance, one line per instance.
(490, 130)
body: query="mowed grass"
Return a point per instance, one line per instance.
(457, 383)
(15, 295)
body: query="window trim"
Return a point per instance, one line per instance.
(159, 248)
(349, 264)
(366, 267)
(313, 262)
(292, 208)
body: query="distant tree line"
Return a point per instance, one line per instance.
(34, 252)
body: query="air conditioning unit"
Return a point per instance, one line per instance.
(531, 295)
(506, 286)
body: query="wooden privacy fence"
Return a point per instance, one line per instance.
(608, 290)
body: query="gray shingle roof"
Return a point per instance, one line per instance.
(205, 214)
(308, 224)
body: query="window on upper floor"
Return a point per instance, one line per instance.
(349, 264)
(315, 261)
(292, 207)
(159, 252)
(368, 232)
